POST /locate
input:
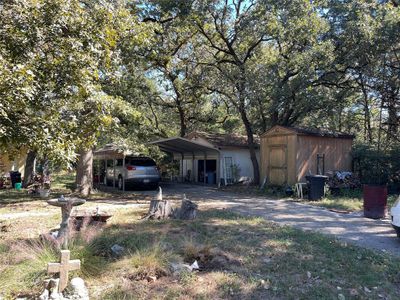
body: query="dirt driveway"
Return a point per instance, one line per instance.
(353, 228)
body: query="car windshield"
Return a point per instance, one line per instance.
(140, 162)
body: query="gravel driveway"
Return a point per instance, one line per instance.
(353, 228)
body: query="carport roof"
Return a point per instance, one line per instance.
(182, 145)
(111, 151)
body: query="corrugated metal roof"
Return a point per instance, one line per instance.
(112, 150)
(182, 145)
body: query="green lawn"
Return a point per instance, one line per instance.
(241, 258)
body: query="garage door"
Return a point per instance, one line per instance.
(277, 165)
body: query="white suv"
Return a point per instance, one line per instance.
(138, 171)
(395, 215)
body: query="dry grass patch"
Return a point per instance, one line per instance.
(239, 257)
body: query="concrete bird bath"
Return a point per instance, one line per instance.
(66, 205)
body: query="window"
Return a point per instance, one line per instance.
(120, 162)
(141, 162)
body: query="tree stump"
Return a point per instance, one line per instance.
(188, 210)
(162, 209)
(159, 208)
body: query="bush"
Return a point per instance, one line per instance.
(377, 167)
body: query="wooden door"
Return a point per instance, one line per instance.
(277, 165)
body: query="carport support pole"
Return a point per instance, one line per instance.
(98, 172)
(192, 177)
(123, 173)
(182, 157)
(218, 175)
(113, 171)
(204, 168)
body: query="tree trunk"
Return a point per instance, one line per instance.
(183, 128)
(29, 168)
(262, 115)
(367, 113)
(393, 117)
(84, 170)
(252, 146)
(241, 88)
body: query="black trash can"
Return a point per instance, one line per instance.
(316, 186)
(15, 177)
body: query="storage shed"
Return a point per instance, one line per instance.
(288, 154)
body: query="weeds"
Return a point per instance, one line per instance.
(150, 262)
(239, 252)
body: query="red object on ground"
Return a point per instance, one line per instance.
(375, 201)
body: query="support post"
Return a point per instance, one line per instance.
(123, 173)
(98, 172)
(113, 171)
(218, 175)
(182, 176)
(204, 168)
(193, 175)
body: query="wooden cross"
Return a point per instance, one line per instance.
(63, 268)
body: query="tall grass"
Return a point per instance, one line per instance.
(24, 263)
(26, 267)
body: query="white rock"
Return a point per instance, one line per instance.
(177, 268)
(56, 296)
(78, 289)
(117, 250)
(44, 296)
(50, 291)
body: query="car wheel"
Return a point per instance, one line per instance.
(120, 183)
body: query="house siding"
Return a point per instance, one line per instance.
(13, 164)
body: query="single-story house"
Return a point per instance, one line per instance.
(210, 158)
(14, 163)
(288, 154)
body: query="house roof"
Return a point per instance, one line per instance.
(222, 139)
(321, 132)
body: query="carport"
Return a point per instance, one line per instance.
(107, 158)
(189, 152)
